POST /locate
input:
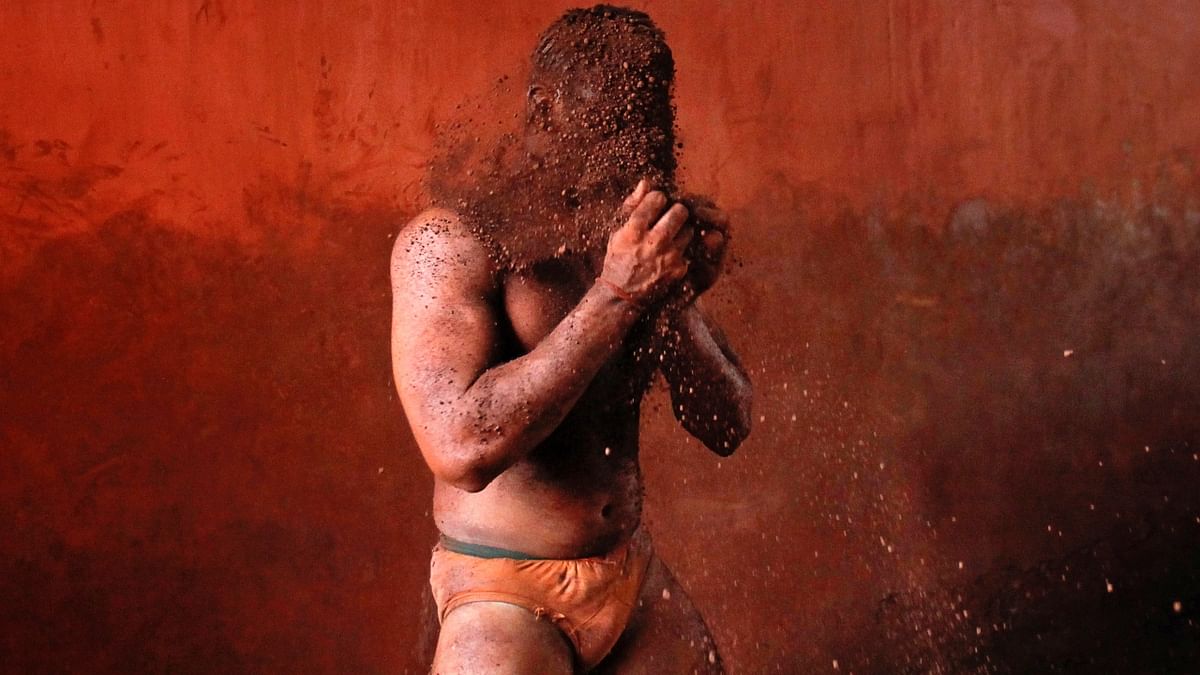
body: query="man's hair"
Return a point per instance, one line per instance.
(613, 67)
(582, 40)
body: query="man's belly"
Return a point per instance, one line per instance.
(557, 512)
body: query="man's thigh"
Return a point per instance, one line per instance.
(498, 638)
(665, 634)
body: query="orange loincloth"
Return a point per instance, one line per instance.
(589, 599)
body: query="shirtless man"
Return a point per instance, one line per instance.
(522, 380)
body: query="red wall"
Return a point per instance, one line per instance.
(965, 232)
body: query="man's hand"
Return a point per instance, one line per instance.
(642, 260)
(707, 250)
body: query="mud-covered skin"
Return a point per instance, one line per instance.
(484, 355)
(533, 305)
(523, 388)
(579, 492)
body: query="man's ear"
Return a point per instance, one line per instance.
(539, 106)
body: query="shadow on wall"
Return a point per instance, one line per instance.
(994, 419)
(201, 466)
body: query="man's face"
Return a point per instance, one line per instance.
(599, 118)
(599, 135)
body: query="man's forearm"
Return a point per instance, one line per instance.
(513, 407)
(710, 392)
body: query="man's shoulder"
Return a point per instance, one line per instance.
(432, 230)
(438, 241)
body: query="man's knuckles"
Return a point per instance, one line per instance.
(653, 203)
(714, 241)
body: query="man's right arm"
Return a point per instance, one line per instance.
(472, 415)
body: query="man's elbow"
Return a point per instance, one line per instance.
(732, 439)
(737, 428)
(465, 470)
(468, 481)
(725, 437)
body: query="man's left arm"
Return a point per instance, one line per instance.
(710, 391)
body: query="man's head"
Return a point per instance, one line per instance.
(599, 117)
(599, 101)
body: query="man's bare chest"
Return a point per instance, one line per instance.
(538, 300)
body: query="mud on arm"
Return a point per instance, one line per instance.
(472, 415)
(710, 391)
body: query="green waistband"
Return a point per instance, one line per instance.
(481, 550)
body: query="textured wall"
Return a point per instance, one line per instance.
(967, 234)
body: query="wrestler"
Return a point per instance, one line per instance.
(531, 311)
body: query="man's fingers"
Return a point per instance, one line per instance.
(714, 242)
(650, 206)
(714, 216)
(669, 225)
(710, 213)
(683, 238)
(682, 270)
(635, 198)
